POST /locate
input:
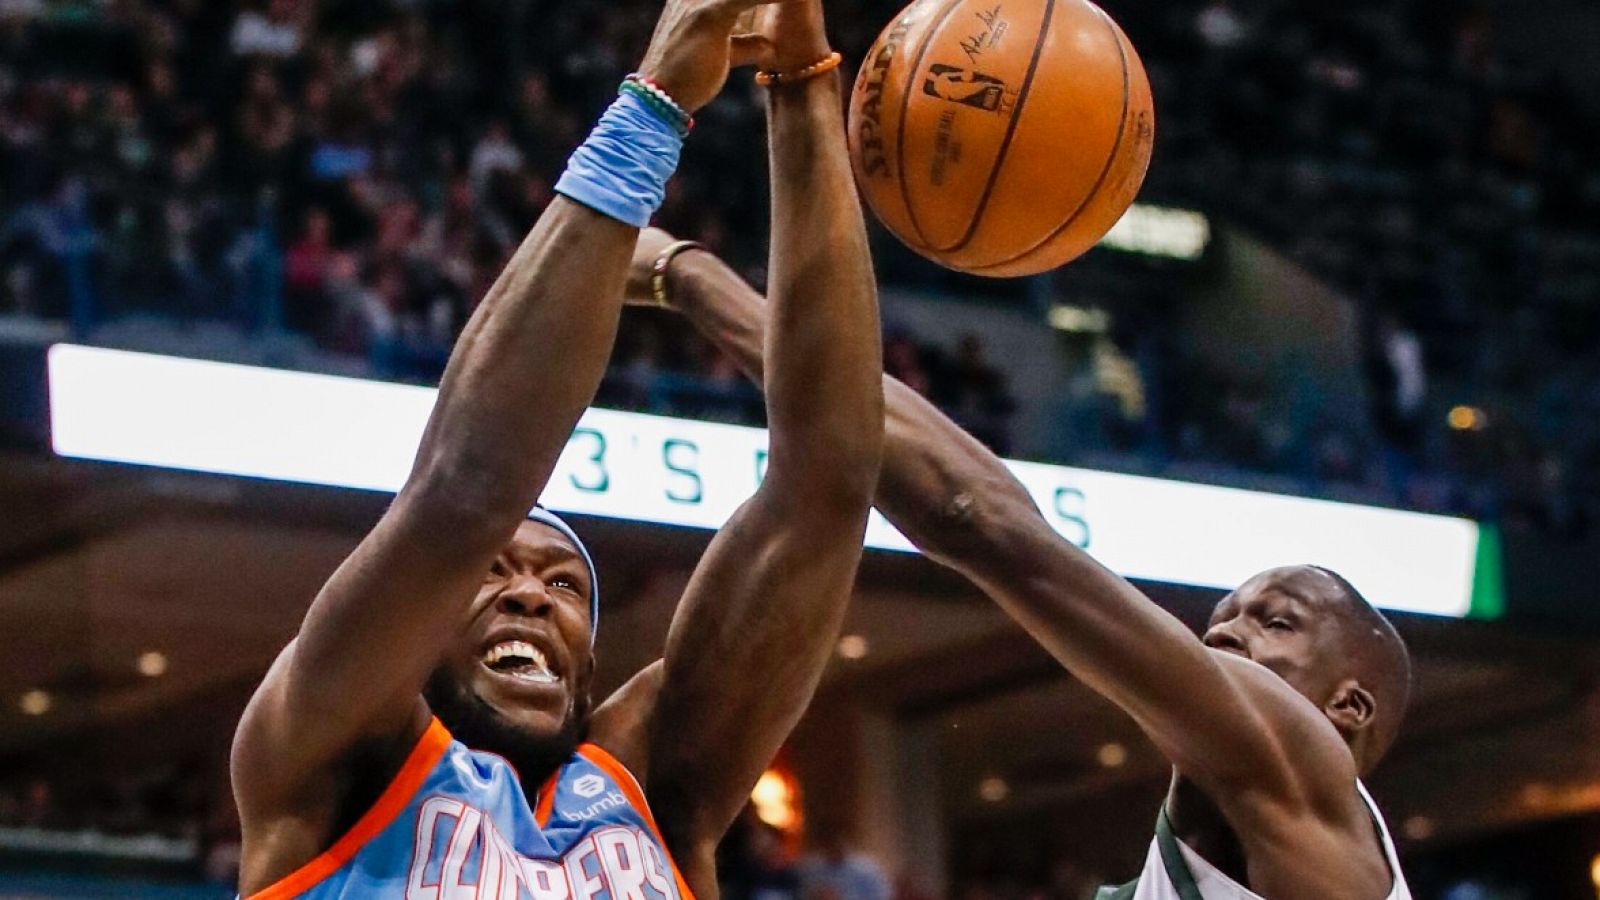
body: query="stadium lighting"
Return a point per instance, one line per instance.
(152, 664)
(1161, 231)
(853, 647)
(1079, 320)
(994, 789)
(35, 703)
(774, 801)
(1467, 418)
(1112, 756)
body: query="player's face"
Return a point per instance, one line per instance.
(1282, 620)
(518, 681)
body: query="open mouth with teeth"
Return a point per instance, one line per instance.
(520, 660)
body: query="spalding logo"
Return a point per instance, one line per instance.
(589, 786)
(874, 157)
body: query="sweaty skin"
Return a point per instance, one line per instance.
(1266, 731)
(453, 567)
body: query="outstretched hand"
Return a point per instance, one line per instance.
(690, 52)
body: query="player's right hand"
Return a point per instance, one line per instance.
(689, 52)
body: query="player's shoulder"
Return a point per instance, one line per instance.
(288, 823)
(1320, 766)
(1313, 803)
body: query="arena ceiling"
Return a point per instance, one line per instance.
(100, 565)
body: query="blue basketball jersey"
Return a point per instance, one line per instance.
(455, 823)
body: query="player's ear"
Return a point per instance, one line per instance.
(1352, 708)
(583, 687)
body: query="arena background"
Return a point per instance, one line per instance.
(1365, 268)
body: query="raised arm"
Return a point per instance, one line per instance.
(521, 374)
(761, 614)
(1221, 719)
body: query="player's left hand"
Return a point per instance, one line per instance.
(782, 37)
(692, 48)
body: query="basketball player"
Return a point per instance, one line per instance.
(428, 734)
(1296, 689)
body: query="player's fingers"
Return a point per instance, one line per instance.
(742, 7)
(749, 50)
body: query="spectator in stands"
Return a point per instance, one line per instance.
(271, 29)
(832, 872)
(754, 862)
(495, 154)
(35, 240)
(35, 806)
(1398, 383)
(902, 358)
(266, 133)
(306, 270)
(974, 392)
(1220, 25)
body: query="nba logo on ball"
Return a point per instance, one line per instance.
(973, 89)
(589, 786)
(1001, 139)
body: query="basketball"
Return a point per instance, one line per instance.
(1001, 138)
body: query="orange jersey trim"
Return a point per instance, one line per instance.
(423, 757)
(635, 794)
(547, 798)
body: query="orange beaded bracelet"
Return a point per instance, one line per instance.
(821, 66)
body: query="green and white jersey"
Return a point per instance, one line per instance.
(1174, 872)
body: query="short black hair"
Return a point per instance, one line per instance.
(1382, 661)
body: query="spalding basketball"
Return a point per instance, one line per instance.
(1001, 137)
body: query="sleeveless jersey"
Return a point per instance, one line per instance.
(1174, 872)
(455, 823)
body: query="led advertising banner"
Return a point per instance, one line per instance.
(229, 419)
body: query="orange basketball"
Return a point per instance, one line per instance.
(1001, 137)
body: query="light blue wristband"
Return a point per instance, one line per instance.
(622, 169)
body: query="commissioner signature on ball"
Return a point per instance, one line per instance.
(994, 28)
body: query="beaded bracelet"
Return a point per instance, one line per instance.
(826, 64)
(652, 93)
(666, 111)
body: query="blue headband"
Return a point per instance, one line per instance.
(546, 517)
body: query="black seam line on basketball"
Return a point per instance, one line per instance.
(1011, 130)
(1111, 158)
(905, 108)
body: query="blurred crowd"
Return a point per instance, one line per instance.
(1402, 152)
(757, 861)
(172, 819)
(661, 366)
(355, 174)
(179, 804)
